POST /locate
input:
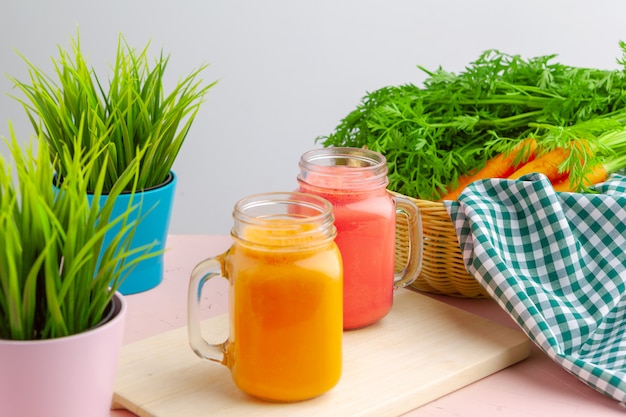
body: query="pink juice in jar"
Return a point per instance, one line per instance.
(366, 236)
(354, 181)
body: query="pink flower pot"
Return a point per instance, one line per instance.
(70, 376)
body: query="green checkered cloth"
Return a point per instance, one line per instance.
(556, 262)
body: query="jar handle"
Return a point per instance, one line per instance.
(413, 267)
(201, 274)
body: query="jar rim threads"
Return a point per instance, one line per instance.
(344, 167)
(283, 219)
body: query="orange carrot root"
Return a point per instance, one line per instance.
(597, 174)
(499, 166)
(547, 164)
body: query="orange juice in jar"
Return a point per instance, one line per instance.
(285, 309)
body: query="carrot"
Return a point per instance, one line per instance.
(597, 174)
(499, 166)
(547, 164)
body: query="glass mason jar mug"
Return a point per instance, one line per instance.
(355, 181)
(285, 298)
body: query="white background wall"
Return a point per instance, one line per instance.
(290, 70)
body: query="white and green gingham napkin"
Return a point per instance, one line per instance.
(556, 262)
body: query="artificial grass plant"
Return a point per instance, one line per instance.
(133, 112)
(57, 277)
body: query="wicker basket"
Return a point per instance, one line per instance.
(443, 270)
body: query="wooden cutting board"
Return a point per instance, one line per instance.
(421, 351)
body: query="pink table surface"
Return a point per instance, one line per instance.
(533, 387)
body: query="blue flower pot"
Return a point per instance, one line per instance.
(154, 213)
